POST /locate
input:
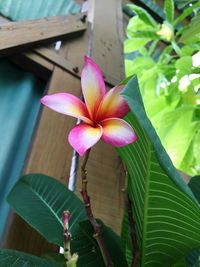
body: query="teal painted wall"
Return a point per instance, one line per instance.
(19, 105)
(19, 97)
(34, 9)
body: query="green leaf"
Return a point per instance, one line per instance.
(139, 65)
(135, 44)
(169, 10)
(193, 257)
(188, 50)
(190, 163)
(40, 200)
(55, 257)
(192, 33)
(151, 35)
(186, 13)
(15, 258)
(135, 25)
(181, 263)
(172, 125)
(194, 185)
(182, 3)
(143, 15)
(184, 65)
(166, 212)
(154, 8)
(87, 248)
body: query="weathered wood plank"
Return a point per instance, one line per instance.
(15, 35)
(106, 40)
(65, 64)
(104, 173)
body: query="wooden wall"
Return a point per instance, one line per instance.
(51, 154)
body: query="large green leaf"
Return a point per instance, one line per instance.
(87, 248)
(167, 213)
(40, 200)
(193, 257)
(169, 10)
(15, 258)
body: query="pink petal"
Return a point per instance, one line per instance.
(83, 136)
(113, 105)
(93, 85)
(67, 104)
(117, 132)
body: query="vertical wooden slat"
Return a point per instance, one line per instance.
(107, 36)
(105, 46)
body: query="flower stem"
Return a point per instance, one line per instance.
(96, 227)
(131, 220)
(71, 259)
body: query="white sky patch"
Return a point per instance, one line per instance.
(174, 79)
(58, 45)
(184, 83)
(194, 76)
(196, 59)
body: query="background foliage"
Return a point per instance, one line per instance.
(166, 59)
(167, 213)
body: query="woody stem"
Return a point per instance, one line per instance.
(67, 253)
(96, 227)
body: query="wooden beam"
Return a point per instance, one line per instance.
(66, 65)
(30, 61)
(106, 36)
(20, 35)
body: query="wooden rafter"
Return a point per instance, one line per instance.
(20, 35)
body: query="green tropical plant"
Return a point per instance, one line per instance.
(166, 211)
(166, 60)
(40, 200)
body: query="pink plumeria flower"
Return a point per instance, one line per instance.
(101, 112)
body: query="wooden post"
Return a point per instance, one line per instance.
(51, 154)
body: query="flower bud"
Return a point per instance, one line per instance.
(166, 31)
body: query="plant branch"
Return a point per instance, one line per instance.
(131, 220)
(66, 234)
(96, 227)
(71, 259)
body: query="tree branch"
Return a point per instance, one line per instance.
(95, 225)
